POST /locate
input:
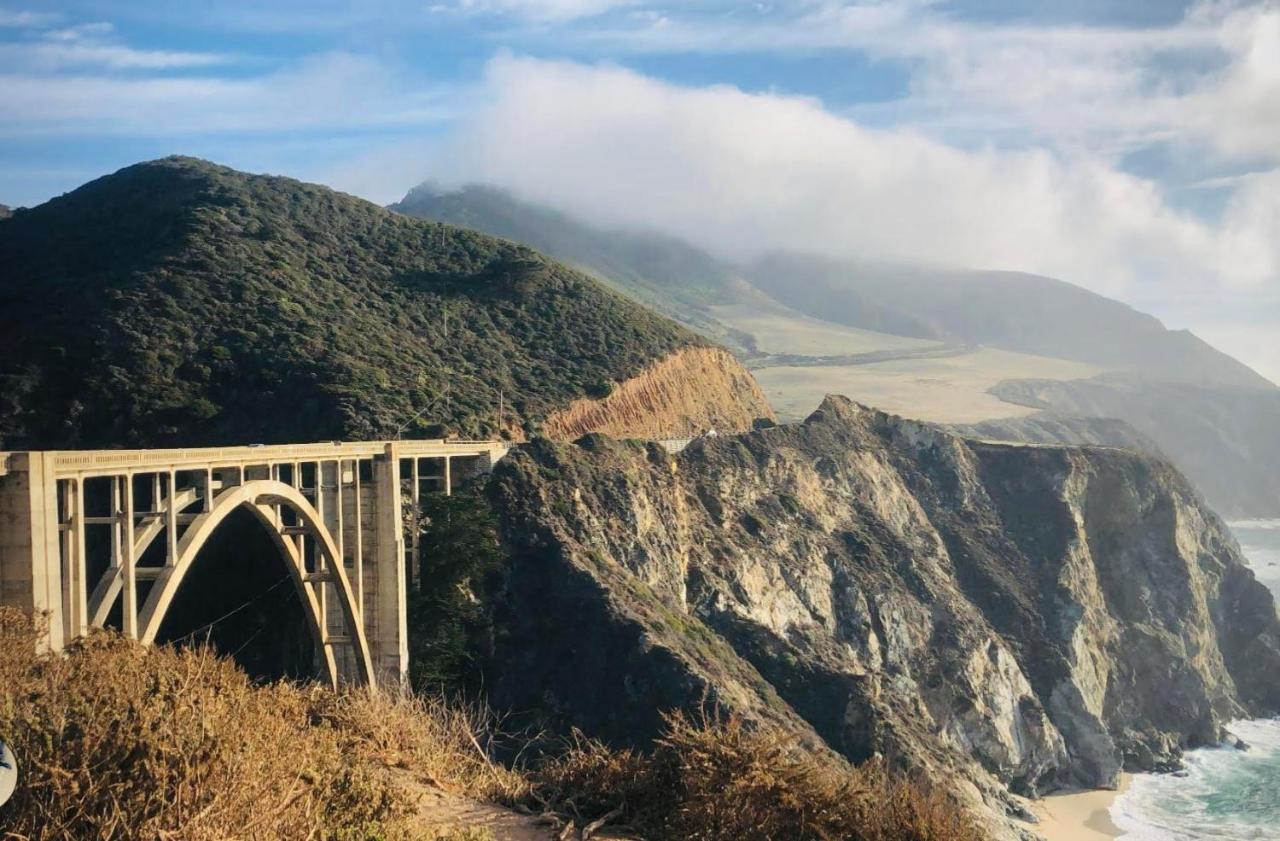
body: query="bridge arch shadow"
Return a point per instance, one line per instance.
(238, 598)
(285, 519)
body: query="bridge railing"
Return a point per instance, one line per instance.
(105, 462)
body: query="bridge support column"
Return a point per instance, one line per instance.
(389, 636)
(30, 554)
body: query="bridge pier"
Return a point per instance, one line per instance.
(389, 629)
(337, 513)
(30, 555)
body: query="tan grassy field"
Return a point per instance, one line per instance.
(782, 331)
(950, 389)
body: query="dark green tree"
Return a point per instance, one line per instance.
(459, 558)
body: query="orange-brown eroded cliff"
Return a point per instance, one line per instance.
(687, 393)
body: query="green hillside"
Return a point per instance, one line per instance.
(180, 302)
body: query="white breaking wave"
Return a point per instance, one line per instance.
(1225, 794)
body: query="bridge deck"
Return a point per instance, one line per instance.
(90, 463)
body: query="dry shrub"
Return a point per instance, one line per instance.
(119, 741)
(441, 743)
(717, 780)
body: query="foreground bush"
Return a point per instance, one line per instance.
(438, 743)
(120, 741)
(717, 780)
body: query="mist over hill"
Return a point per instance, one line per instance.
(1011, 310)
(663, 272)
(910, 338)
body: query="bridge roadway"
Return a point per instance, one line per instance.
(97, 535)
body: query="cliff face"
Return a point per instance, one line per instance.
(688, 392)
(1003, 618)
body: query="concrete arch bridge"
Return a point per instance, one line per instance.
(89, 537)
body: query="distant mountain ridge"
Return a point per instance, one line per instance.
(178, 302)
(1011, 310)
(960, 311)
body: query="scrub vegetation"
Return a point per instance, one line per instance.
(182, 303)
(121, 741)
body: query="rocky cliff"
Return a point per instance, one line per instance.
(1006, 619)
(689, 392)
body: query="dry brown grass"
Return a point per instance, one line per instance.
(117, 741)
(717, 780)
(440, 743)
(120, 741)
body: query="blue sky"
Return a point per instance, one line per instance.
(1133, 148)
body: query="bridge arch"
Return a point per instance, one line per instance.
(266, 499)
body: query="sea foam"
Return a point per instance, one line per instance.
(1226, 794)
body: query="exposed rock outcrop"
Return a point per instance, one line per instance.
(691, 391)
(1006, 619)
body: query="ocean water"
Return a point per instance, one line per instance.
(1226, 794)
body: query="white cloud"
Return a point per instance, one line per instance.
(1239, 108)
(60, 55)
(1212, 78)
(22, 19)
(331, 91)
(748, 172)
(543, 11)
(88, 46)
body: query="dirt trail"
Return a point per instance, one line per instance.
(439, 810)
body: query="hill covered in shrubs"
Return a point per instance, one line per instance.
(178, 302)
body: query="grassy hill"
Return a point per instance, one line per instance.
(1010, 310)
(180, 302)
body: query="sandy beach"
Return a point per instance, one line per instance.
(1078, 815)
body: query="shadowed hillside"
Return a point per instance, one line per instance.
(179, 302)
